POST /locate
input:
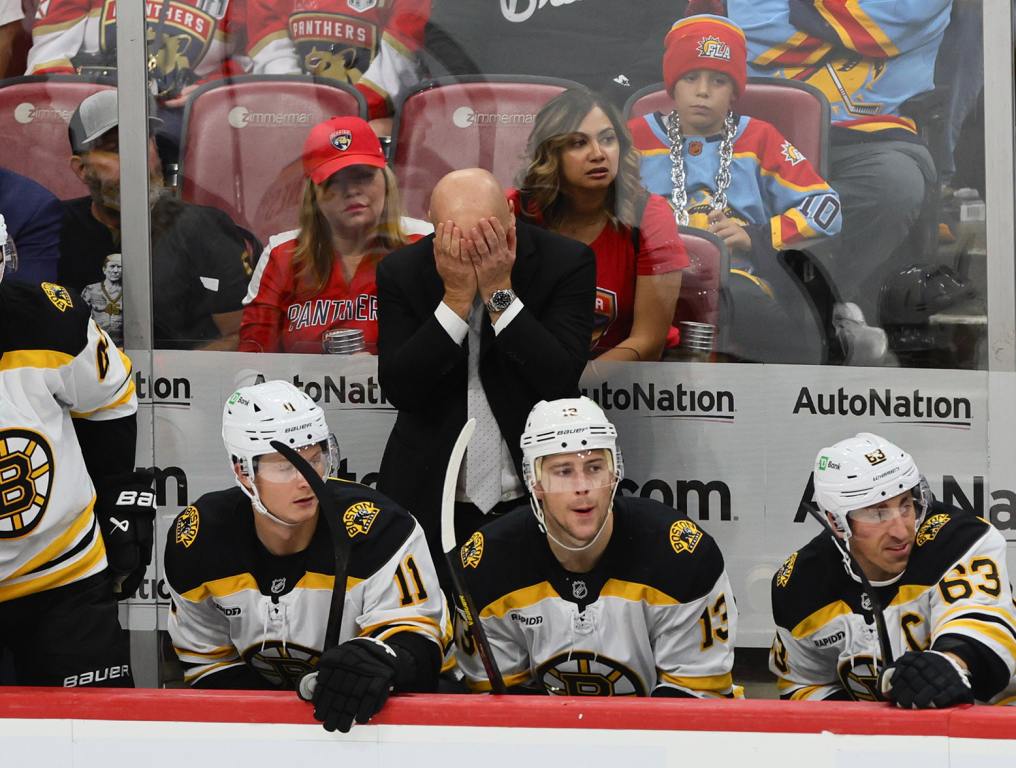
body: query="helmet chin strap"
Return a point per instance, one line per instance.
(259, 507)
(543, 525)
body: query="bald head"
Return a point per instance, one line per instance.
(467, 196)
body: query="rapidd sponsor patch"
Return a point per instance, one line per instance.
(58, 296)
(684, 536)
(187, 523)
(359, 518)
(930, 528)
(472, 551)
(783, 575)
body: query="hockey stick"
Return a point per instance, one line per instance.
(341, 548)
(808, 503)
(463, 599)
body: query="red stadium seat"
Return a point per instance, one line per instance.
(703, 282)
(242, 143)
(798, 110)
(464, 122)
(34, 112)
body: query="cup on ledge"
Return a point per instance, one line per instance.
(697, 339)
(342, 341)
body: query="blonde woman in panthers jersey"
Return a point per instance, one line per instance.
(593, 594)
(938, 572)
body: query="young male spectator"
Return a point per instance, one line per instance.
(251, 572)
(868, 58)
(482, 319)
(592, 594)
(75, 519)
(200, 260)
(938, 572)
(34, 217)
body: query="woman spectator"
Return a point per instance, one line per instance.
(321, 276)
(582, 181)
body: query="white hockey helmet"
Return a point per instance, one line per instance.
(8, 253)
(864, 471)
(254, 416)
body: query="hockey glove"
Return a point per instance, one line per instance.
(353, 682)
(926, 680)
(126, 511)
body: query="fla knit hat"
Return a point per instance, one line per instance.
(705, 42)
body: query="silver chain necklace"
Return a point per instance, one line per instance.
(678, 188)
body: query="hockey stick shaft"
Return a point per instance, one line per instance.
(808, 504)
(463, 600)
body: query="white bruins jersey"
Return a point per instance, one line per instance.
(954, 595)
(656, 612)
(55, 364)
(234, 603)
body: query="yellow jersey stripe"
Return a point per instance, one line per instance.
(92, 561)
(983, 629)
(61, 543)
(635, 592)
(34, 358)
(820, 618)
(714, 683)
(192, 676)
(218, 653)
(483, 686)
(404, 621)
(863, 20)
(221, 587)
(122, 400)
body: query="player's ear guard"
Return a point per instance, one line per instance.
(125, 508)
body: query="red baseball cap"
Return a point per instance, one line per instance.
(338, 143)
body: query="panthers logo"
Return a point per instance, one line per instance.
(26, 477)
(283, 664)
(859, 676)
(684, 536)
(929, 530)
(359, 518)
(711, 47)
(581, 673)
(472, 551)
(791, 153)
(187, 523)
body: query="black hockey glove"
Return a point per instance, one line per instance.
(926, 680)
(353, 682)
(126, 511)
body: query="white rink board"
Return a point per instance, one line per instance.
(728, 434)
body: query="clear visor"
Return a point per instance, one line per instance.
(275, 468)
(575, 472)
(903, 506)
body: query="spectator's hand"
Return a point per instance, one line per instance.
(353, 682)
(492, 250)
(181, 100)
(926, 680)
(125, 507)
(729, 231)
(455, 268)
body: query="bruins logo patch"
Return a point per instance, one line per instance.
(684, 536)
(360, 517)
(930, 528)
(472, 551)
(783, 575)
(58, 296)
(875, 457)
(26, 478)
(187, 526)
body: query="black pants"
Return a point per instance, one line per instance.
(69, 636)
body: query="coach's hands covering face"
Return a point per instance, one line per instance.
(492, 250)
(454, 267)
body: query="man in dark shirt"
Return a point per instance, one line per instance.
(200, 259)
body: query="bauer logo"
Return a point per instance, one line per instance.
(26, 113)
(241, 117)
(467, 117)
(915, 407)
(666, 401)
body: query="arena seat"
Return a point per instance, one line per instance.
(798, 110)
(34, 113)
(463, 122)
(703, 282)
(242, 143)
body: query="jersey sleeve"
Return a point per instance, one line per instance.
(200, 635)
(506, 644)
(269, 46)
(98, 384)
(396, 67)
(802, 671)
(693, 642)
(58, 33)
(261, 326)
(404, 596)
(661, 249)
(974, 601)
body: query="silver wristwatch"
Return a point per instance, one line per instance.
(500, 300)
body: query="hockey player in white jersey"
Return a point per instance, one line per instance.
(593, 594)
(75, 519)
(251, 572)
(939, 572)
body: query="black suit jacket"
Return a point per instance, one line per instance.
(423, 373)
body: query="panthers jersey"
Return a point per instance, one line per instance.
(55, 364)
(866, 56)
(772, 185)
(234, 603)
(955, 591)
(655, 613)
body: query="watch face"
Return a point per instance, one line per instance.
(501, 300)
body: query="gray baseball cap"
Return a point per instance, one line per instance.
(94, 116)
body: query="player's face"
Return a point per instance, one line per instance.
(589, 159)
(283, 490)
(883, 536)
(575, 490)
(703, 98)
(352, 200)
